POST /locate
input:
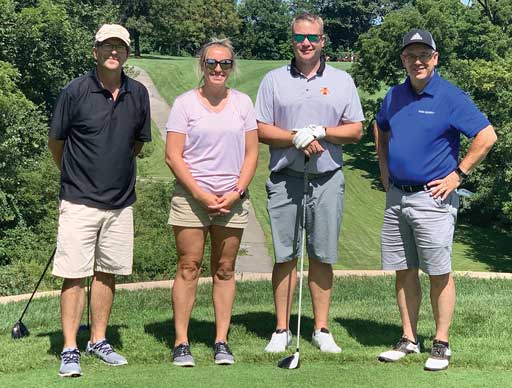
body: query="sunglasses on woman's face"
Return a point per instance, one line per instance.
(225, 64)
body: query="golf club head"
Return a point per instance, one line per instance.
(19, 330)
(290, 362)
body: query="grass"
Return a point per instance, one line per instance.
(475, 248)
(364, 319)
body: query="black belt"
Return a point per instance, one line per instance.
(311, 175)
(411, 188)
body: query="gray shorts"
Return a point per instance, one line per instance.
(418, 231)
(324, 212)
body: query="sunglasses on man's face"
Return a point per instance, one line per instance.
(225, 64)
(313, 38)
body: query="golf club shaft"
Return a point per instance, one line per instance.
(88, 303)
(303, 248)
(38, 283)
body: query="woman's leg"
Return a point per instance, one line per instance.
(225, 244)
(190, 247)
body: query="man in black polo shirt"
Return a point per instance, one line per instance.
(99, 125)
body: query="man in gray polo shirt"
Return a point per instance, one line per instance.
(307, 108)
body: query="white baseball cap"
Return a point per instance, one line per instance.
(108, 31)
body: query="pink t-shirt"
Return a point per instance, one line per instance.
(214, 147)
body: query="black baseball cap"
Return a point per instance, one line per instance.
(419, 36)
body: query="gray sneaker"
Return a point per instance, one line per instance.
(222, 354)
(70, 363)
(105, 352)
(181, 355)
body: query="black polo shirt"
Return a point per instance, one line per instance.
(98, 164)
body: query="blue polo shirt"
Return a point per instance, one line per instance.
(425, 129)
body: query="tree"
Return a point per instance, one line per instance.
(489, 83)
(46, 47)
(180, 28)
(135, 16)
(265, 31)
(459, 32)
(345, 21)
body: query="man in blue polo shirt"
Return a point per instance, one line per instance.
(418, 140)
(306, 108)
(99, 125)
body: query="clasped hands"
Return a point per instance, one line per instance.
(218, 205)
(306, 139)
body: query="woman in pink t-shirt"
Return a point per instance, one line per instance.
(212, 149)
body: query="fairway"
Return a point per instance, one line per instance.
(364, 320)
(475, 248)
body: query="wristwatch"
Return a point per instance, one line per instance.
(240, 192)
(462, 175)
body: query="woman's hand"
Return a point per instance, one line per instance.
(225, 202)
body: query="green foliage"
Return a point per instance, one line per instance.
(180, 28)
(490, 86)
(50, 51)
(459, 32)
(22, 140)
(154, 250)
(265, 31)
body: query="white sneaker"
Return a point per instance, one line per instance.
(323, 340)
(280, 340)
(439, 357)
(400, 350)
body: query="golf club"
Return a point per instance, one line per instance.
(19, 330)
(293, 361)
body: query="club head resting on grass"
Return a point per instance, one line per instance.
(19, 330)
(290, 362)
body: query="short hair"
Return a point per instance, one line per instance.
(309, 17)
(203, 51)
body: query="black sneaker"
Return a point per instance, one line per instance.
(222, 354)
(439, 356)
(181, 355)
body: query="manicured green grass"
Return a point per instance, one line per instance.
(364, 320)
(475, 248)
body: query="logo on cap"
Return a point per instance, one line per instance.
(416, 36)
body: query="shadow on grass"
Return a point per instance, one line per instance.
(262, 324)
(259, 323)
(372, 333)
(486, 245)
(57, 341)
(198, 332)
(364, 158)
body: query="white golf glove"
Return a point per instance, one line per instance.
(302, 138)
(317, 131)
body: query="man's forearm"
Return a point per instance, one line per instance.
(479, 148)
(346, 133)
(274, 136)
(56, 148)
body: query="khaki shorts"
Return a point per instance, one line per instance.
(187, 212)
(93, 240)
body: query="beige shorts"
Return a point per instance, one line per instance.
(186, 211)
(91, 239)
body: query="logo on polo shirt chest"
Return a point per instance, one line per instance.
(324, 91)
(426, 112)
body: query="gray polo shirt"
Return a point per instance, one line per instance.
(288, 100)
